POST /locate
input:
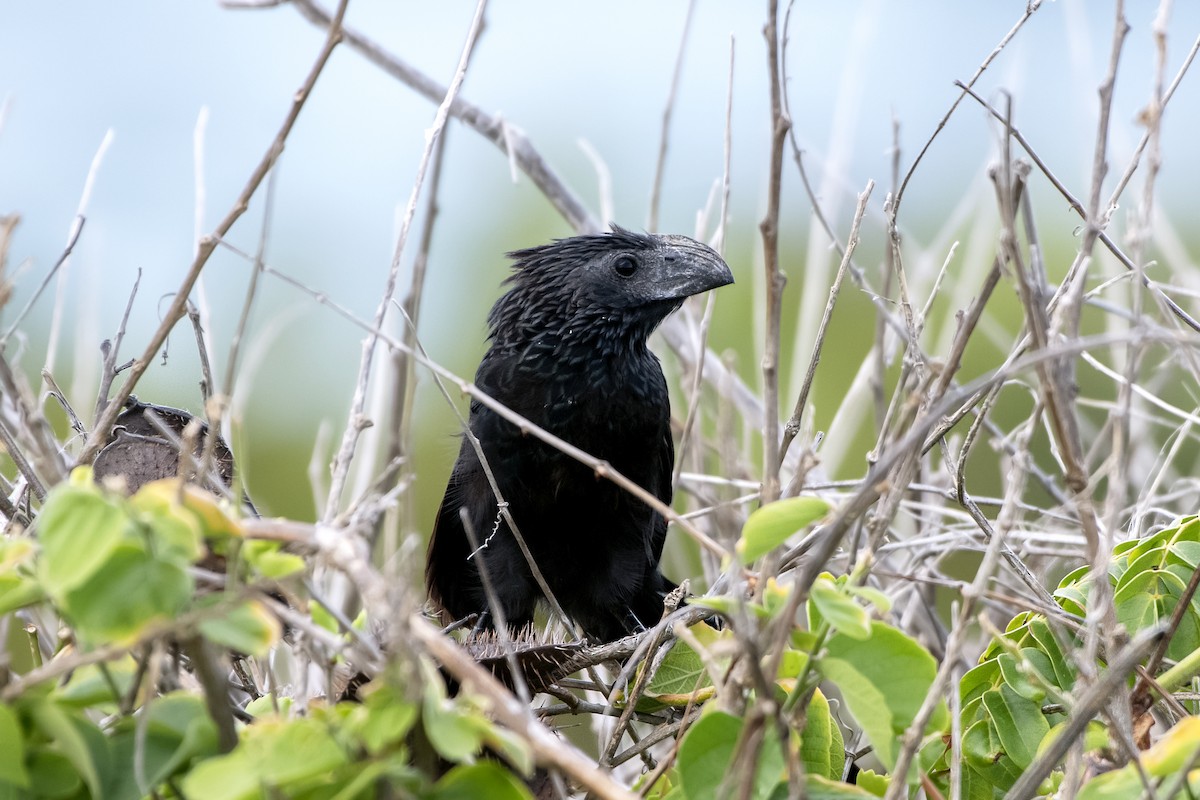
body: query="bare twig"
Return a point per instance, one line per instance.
(111, 349)
(206, 246)
(774, 277)
(72, 239)
(340, 468)
(660, 163)
(793, 426)
(1030, 7)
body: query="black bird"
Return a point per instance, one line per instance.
(568, 351)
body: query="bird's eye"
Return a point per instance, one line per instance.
(626, 266)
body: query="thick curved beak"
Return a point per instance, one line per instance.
(691, 268)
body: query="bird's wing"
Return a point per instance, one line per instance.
(666, 470)
(448, 546)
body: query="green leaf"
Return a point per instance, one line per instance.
(454, 729)
(52, 775)
(510, 747)
(77, 739)
(170, 530)
(872, 595)
(839, 609)
(978, 680)
(17, 588)
(791, 664)
(273, 755)
(681, 677)
(197, 509)
(884, 680)
(246, 628)
(485, 779)
(822, 748)
(180, 721)
(1019, 723)
(984, 753)
(79, 529)
(18, 592)
(771, 525)
(817, 787)
(384, 718)
(97, 686)
(12, 750)
(133, 591)
(1148, 599)
(177, 730)
(1047, 642)
(267, 560)
(873, 782)
(706, 753)
(1017, 678)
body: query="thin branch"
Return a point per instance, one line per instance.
(110, 351)
(207, 245)
(774, 277)
(548, 749)
(1030, 8)
(660, 163)
(340, 468)
(72, 239)
(1078, 208)
(793, 425)
(509, 139)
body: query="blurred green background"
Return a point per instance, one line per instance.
(863, 77)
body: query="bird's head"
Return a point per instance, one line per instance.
(601, 283)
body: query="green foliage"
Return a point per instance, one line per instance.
(882, 675)
(117, 570)
(1013, 703)
(884, 679)
(1015, 699)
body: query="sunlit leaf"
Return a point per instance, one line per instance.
(203, 507)
(266, 559)
(681, 677)
(273, 758)
(770, 526)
